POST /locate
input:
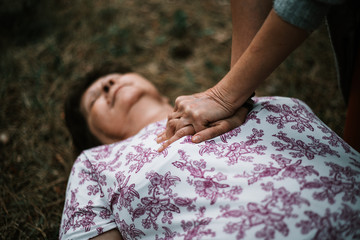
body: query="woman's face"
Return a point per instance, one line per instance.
(117, 106)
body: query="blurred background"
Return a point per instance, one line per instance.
(182, 46)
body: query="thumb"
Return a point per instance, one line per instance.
(222, 126)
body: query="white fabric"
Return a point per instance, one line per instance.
(282, 175)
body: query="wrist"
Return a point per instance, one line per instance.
(249, 103)
(222, 97)
(233, 93)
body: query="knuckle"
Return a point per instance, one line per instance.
(169, 135)
(225, 126)
(199, 127)
(171, 140)
(166, 144)
(172, 116)
(179, 99)
(172, 123)
(192, 112)
(188, 130)
(197, 114)
(180, 133)
(187, 109)
(169, 132)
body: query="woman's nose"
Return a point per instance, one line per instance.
(107, 85)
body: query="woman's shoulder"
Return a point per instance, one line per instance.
(145, 138)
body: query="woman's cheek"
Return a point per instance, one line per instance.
(99, 111)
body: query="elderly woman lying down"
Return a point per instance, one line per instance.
(283, 174)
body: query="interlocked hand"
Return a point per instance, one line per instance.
(204, 114)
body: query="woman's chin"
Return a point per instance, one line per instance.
(128, 96)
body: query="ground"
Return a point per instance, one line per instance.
(182, 46)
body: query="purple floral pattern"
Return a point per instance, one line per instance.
(232, 133)
(297, 116)
(78, 217)
(124, 194)
(299, 148)
(238, 151)
(284, 169)
(281, 175)
(269, 215)
(206, 184)
(198, 228)
(128, 231)
(333, 139)
(159, 202)
(332, 225)
(340, 181)
(141, 157)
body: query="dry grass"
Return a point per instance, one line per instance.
(182, 46)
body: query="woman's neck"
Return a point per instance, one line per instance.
(148, 110)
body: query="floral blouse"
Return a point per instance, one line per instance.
(283, 174)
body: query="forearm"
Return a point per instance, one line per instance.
(275, 40)
(247, 18)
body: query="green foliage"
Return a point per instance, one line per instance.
(180, 25)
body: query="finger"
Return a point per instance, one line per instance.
(188, 130)
(195, 118)
(183, 101)
(161, 137)
(178, 101)
(177, 124)
(217, 129)
(221, 127)
(174, 115)
(170, 128)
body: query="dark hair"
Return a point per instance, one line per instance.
(74, 118)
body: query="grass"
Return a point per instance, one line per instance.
(181, 46)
